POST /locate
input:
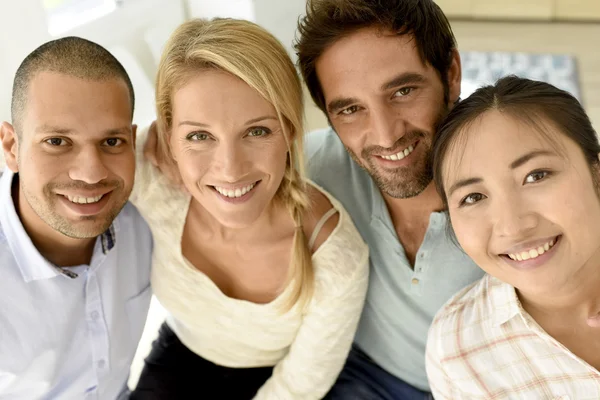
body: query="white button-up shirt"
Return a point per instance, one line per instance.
(72, 333)
(484, 345)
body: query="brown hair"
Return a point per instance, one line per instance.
(252, 54)
(71, 56)
(327, 21)
(529, 101)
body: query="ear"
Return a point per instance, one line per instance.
(454, 77)
(10, 145)
(133, 134)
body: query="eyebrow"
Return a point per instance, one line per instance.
(523, 159)
(45, 129)
(462, 183)
(513, 165)
(400, 80)
(340, 103)
(403, 79)
(250, 121)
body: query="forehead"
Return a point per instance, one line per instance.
(69, 102)
(495, 139)
(213, 94)
(367, 58)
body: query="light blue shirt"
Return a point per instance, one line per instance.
(71, 334)
(401, 301)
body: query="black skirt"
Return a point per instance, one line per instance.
(172, 372)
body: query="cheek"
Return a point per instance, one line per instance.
(192, 166)
(352, 133)
(472, 234)
(272, 161)
(576, 210)
(125, 170)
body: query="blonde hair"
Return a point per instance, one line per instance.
(250, 53)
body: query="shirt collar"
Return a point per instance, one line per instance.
(437, 219)
(31, 263)
(503, 303)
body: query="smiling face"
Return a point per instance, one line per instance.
(523, 204)
(229, 146)
(386, 104)
(75, 153)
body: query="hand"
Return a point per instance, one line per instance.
(158, 157)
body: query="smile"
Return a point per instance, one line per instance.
(534, 252)
(235, 193)
(400, 155)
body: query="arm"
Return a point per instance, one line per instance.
(321, 347)
(151, 169)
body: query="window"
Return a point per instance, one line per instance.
(64, 15)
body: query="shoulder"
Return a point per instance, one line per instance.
(466, 315)
(133, 224)
(325, 151)
(342, 257)
(320, 219)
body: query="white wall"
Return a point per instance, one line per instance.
(24, 28)
(278, 16)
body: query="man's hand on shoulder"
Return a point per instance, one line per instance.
(160, 157)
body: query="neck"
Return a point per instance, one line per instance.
(213, 228)
(55, 247)
(578, 300)
(414, 208)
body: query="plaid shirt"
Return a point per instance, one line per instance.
(484, 345)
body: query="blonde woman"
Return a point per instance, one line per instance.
(263, 274)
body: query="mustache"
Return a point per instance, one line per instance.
(112, 184)
(402, 143)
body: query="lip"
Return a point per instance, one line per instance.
(397, 163)
(86, 210)
(236, 200)
(532, 263)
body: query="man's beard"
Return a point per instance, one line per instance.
(406, 181)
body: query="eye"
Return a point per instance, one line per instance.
(56, 142)
(197, 136)
(113, 142)
(471, 198)
(536, 176)
(349, 111)
(405, 91)
(259, 131)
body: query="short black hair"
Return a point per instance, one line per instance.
(71, 56)
(327, 21)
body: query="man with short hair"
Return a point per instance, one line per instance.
(386, 73)
(75, 255)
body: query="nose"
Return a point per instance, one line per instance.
(89, 166)
(513, 217)
(231, 159)
(386, 127)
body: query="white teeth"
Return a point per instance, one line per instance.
(400, 155)
(234, 193)
(532, 253)
(84, 200)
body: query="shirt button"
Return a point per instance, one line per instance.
(101, 364)
(415, 281)
(422, 255)
(95, 315)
